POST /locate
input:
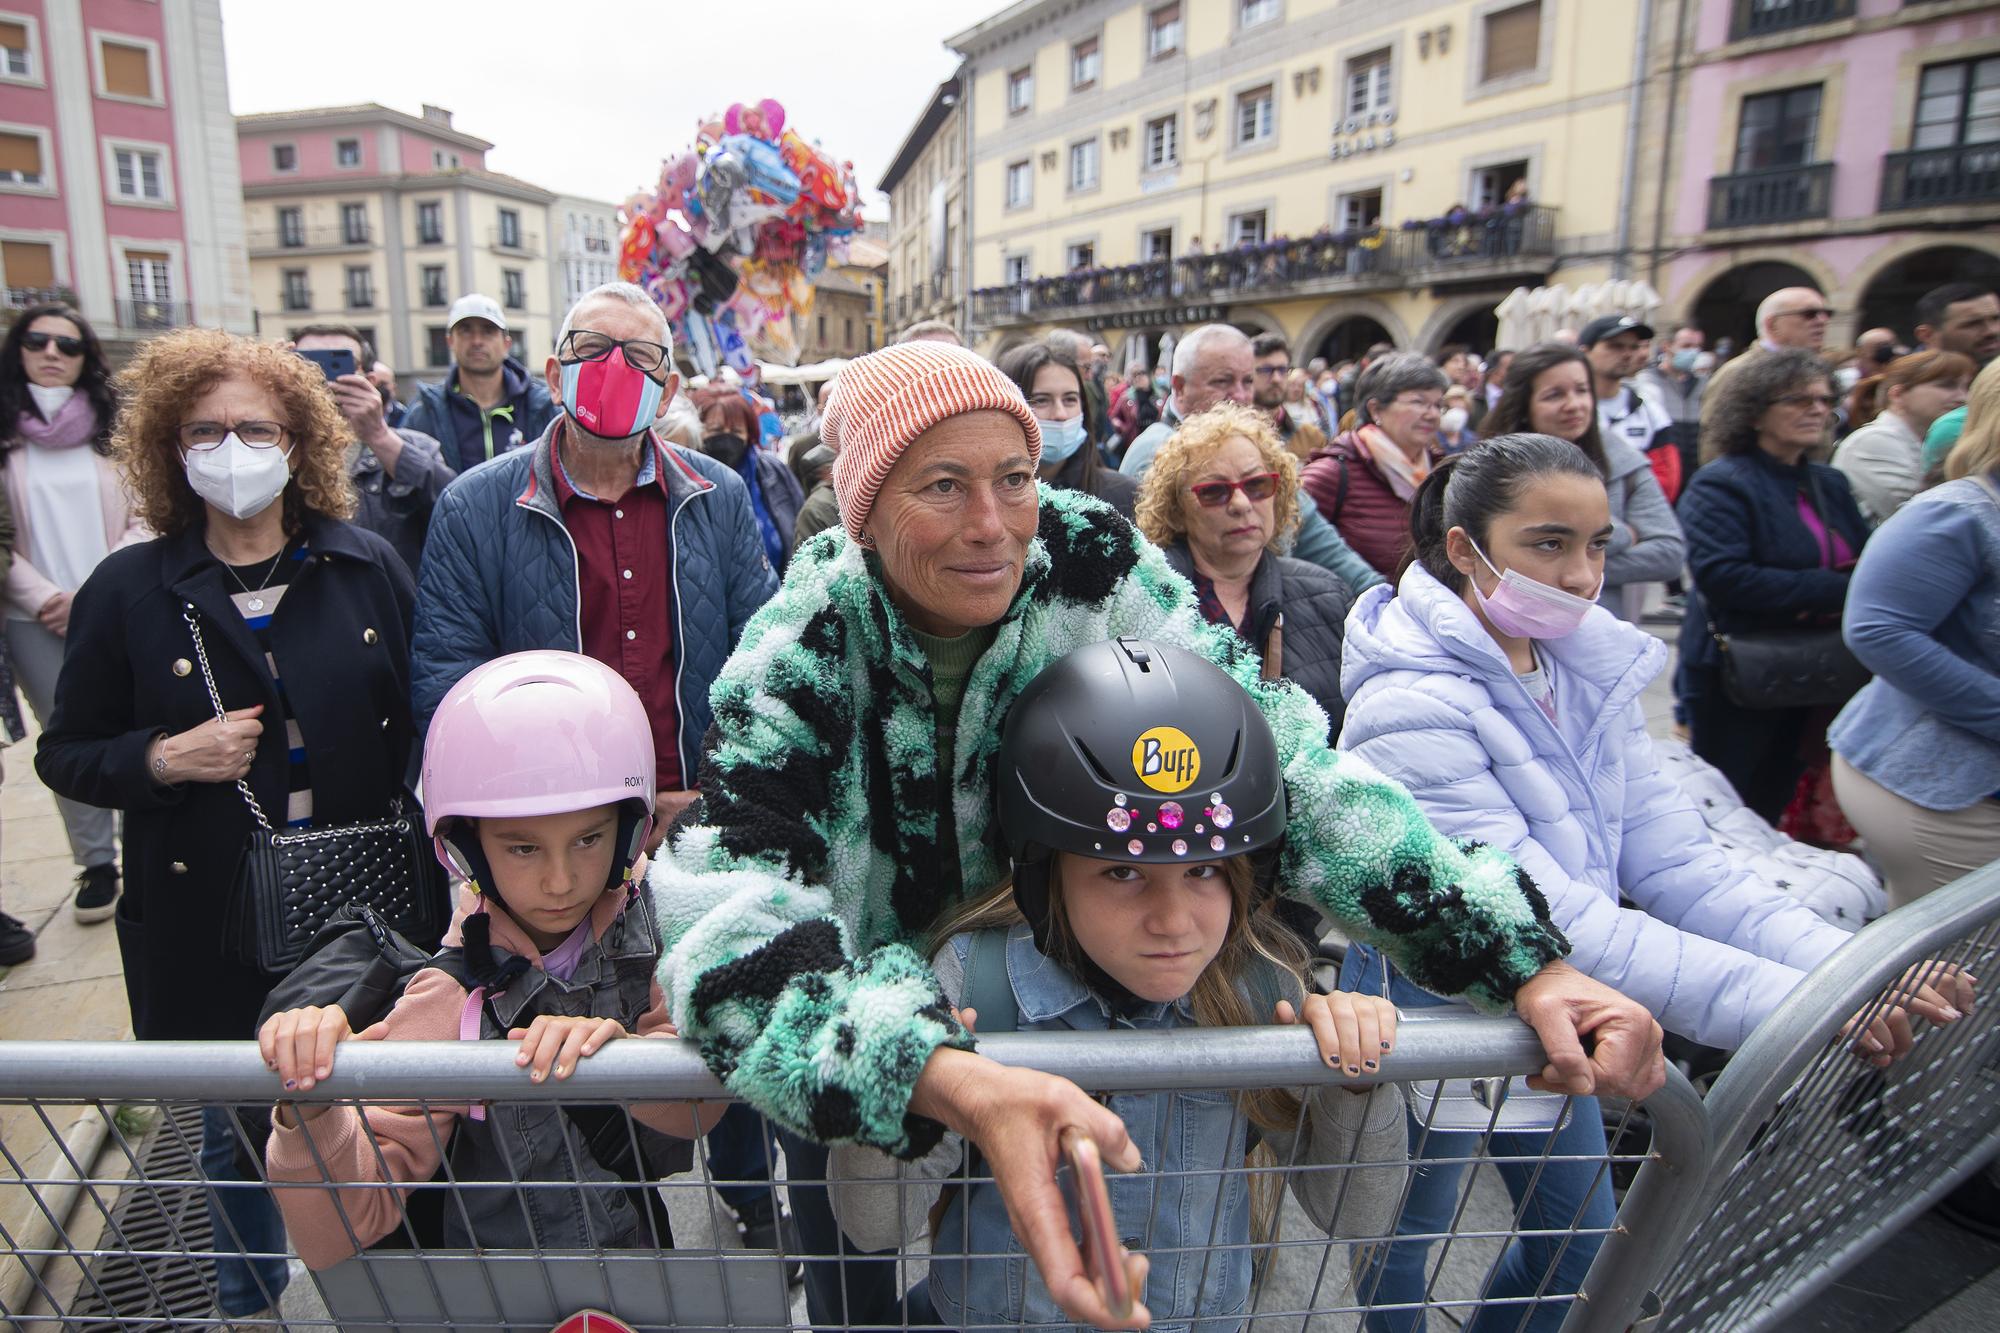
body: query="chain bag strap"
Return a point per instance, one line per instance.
(291, 882)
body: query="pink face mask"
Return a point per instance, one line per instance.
(1525, 609)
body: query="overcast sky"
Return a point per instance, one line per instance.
(586, 96)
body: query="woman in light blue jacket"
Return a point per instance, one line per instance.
(1490, 683)
(1917, 753)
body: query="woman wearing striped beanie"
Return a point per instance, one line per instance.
(847, 793)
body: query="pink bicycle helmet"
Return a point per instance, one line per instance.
(537, 733)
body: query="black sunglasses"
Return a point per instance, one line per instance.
(65, 344)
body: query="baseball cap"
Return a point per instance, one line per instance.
(1605, 326)
(475, 306)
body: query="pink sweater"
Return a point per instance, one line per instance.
(405, 1140)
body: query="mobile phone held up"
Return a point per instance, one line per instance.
(332, 361)
(1103, 1256)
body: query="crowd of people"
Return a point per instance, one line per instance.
(764, 741)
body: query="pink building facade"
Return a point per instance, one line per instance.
(118, 179)
(1847, 145)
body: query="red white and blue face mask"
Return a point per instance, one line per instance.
(610, 398)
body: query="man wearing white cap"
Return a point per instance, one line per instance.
(489, 403)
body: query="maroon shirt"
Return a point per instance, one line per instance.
(624, 574)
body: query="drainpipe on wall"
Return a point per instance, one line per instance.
(1667, 142)
(1621, 257)
(965, 72)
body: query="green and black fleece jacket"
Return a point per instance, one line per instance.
(795, 895)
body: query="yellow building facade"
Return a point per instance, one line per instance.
(1340, 171)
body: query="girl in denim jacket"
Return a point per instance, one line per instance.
(1140, 800)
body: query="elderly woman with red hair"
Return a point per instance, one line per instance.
(729, 434)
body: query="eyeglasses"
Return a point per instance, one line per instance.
(1807, 400)
(1421, 406)
(1273, 372)
(1215, 494)
(584, 345)
(1811, 312)
(200, 435)
(38, 341)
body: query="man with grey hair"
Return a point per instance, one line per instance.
(1214, 365)
(599, 538)
(931, 330)
(1789, 319)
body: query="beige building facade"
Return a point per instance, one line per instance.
(1335, 171)
(926, 240)
(367, 216)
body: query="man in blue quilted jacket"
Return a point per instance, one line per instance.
(600, 539)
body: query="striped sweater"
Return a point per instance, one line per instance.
(795, 896)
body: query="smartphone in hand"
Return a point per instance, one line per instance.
(332, 361)
(1103, 1256)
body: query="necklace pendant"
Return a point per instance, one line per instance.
(256, 604)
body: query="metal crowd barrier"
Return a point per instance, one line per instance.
(1819, 1159)
(120, 1238)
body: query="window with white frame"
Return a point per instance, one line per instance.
(1020, 91)
(297, 296)
(1015, 269)
(360, 287)
(1360, 210)
(1083, 165)
(1163, 141)
(1157, 243)
(284, 157)
(125, 70)
(1020, 184)
(291, 227)
(1248, 228)
(1491, 184)
(354, 224)
(1163, 32)
(1085, 64)
(17, 50)
(22, 159)
(510, 229)
(1250, 13)
(1369, 87)
(139, 174)
(149, 278)
(1256, 115)
(513, 289)
(1083, 254)
(347, 153)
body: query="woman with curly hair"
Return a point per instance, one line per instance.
(258, 588)
(56, 411)
(1772, 538)
(1222, 499)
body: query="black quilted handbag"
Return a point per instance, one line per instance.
(1789, 668)
(291, 882)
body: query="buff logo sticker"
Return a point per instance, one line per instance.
(1166, 760)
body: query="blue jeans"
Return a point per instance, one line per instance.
(842, 1292)
(1554, 1196)
(741, 1148)
(245, 1220)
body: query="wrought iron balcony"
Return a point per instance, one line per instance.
(1771, 195)
(514, 241)
(22, 298)
(150, 316)
(1760, 18)
(331, 236)
(1930, 177)
(1498, 243)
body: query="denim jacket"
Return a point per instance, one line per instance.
(1924, 615)
(1188, 1209)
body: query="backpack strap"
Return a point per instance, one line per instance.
(1340, 489)
(987, 989)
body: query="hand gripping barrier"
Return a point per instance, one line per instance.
(129, 1237)
(1819, 1158)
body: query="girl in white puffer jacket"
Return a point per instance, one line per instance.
(1489, 683)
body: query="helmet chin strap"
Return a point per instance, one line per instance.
(458, 847)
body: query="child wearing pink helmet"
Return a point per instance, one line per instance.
(538, 793)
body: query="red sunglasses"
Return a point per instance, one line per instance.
(1215, 494)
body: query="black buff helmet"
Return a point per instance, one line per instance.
(1133, 751)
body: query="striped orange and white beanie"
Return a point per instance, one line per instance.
(883, 401)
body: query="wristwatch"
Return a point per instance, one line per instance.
(160, 758)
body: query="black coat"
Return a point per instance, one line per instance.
(341, 639)
(1314, 603)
